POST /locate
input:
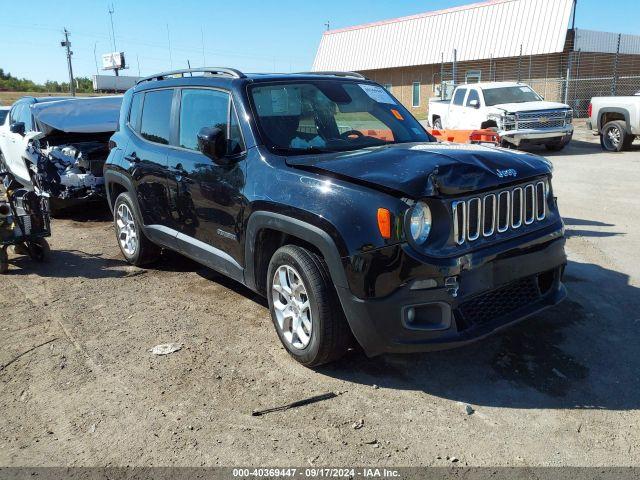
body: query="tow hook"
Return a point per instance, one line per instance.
(452, 286)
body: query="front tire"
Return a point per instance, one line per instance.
(136, 248)
(614, 137)
(437, 124)
(555, 146)
(39, 250)
(304, 307)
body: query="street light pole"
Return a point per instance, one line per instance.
(67, 45)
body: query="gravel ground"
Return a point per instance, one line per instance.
(560, 389)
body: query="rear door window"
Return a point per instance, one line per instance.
(458, 98)
(155, 124)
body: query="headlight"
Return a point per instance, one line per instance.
(569, 116)
(420, 223)
(499, 119)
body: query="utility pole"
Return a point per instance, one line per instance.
(67, 45)
(169, 41)
(111, 10)
(328, 25)
(95, 58)
(204, 58)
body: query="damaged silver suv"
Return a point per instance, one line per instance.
(66, 140)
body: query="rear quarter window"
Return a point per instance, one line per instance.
(458, 98)
(134, 113)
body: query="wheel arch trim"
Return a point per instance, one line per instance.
(624, 112)
(118, 178)
(298, 228)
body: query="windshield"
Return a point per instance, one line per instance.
(519, 94)
(331, 116)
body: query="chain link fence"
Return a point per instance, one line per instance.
(572, 77)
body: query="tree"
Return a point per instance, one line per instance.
(10, 83)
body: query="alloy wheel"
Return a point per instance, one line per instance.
(613, 137)
(292, 307)
(127, 232)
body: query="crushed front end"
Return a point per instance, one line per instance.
(70, 172)
(494, 258)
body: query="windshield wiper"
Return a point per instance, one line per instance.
(301, 151)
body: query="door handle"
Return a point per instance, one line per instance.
(180, 174)
(133, 158)
(178, 169)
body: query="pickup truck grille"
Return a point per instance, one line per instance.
(540, 120)
(498, 212)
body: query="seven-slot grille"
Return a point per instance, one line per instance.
(497, 212)
(540, 119)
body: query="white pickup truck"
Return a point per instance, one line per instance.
(521, 116)
(616, 120)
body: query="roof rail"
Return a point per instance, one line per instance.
(229, 72)
(337, 74)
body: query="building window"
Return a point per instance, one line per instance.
(416, 95)
(473, 76)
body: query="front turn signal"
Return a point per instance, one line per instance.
(384, 222)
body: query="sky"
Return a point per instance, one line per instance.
(252, 35)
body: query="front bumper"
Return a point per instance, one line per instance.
(537, 136)
(491, 293)
(92, 199)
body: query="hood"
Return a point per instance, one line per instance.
(428, 169)
(78, 115)
(530, 106)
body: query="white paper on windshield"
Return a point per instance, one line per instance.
(377, 93)
(277, 101)
(525, 89)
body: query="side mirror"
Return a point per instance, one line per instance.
(212, 142)
(18, 128)
(474, 104)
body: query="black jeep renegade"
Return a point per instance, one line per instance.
(322, 192)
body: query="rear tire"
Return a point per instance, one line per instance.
(297, 277)
(4, 261)
(614, 137)
(629, 141)
(136, 248)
